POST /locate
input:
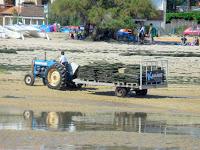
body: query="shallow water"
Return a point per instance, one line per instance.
(87, 147)
(139, 122)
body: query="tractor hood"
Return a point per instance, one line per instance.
(44, 62)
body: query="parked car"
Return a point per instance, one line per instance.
(125, 35)
(195, 31)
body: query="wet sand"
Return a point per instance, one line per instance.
(176, 99)
(72, 141)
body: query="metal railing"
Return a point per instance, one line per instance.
(153, 74)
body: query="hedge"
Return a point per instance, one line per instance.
(183, 15)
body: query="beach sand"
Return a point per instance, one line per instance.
(181, 97)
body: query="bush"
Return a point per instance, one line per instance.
(179, 30)
(183, 15)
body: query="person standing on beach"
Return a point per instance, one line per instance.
(196, 41)
(152, 33)
(141, 34)
(183, 40)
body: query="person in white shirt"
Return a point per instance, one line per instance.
(63, 59)
(142, 34)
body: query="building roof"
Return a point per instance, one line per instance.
(4, 7)
(10, 11)
(25, 11)
(32, 11)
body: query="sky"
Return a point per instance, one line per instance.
(158, 4)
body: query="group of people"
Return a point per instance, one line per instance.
(79, 35)
(152, 32)
(195, 41)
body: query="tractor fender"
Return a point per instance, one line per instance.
(73, 67)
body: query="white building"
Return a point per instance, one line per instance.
(26, 14)
(160, 20)
(161, 6)
(36, 2)
(20, 2)
(1, 2)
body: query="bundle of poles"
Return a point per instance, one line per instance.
(106, 72)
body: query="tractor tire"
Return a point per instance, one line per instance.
(121, 91)
(141, 92)
(29, 79)
(56, 77)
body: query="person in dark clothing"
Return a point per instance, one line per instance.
(196, 41)
(184, 40)
(141, 35)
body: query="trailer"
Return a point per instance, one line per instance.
(154, 76)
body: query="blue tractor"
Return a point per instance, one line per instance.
(53, 74)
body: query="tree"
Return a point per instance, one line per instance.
(105, 15)
(171, 4)
(188, 5)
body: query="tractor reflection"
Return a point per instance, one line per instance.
(77, 121)
(51, 120)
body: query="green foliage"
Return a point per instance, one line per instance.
(103, 14)
(179, 30)
(183, 15)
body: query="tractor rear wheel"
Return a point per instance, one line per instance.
(56, 77)
(29, 79)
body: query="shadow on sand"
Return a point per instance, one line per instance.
(132, 95)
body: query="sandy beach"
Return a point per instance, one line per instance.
(182, 97)
(184, 66)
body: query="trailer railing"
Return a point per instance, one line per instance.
(153, 74)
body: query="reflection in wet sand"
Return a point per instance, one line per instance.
(119, 121)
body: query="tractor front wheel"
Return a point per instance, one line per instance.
(29, 79)
(56, 77)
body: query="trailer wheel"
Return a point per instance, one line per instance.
(29, 79)
(141, 92)
(121, 91)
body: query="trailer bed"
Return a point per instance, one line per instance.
(154, 77)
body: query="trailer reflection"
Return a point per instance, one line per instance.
(117, 121)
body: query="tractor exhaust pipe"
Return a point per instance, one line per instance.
(45, 56)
